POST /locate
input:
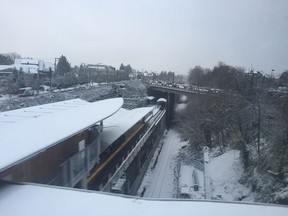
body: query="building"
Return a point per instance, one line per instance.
(33, 66)
(54, 143)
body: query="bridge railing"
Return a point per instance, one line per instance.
(126, 163)
(198, 90)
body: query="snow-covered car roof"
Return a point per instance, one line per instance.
(25, 132)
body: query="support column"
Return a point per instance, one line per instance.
(98, 147)
(206, 173)
(97, 133)
(170, 107)
(84, 183)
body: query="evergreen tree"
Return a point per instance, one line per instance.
(283, 79)
(63, 66)
(122, 67)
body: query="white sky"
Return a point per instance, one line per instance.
(150, 34)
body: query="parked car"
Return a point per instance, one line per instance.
(25, 92)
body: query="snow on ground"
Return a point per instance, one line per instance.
(180, 107)
(183, 99)
(4, 67)
(186, 181)
(160, 181)
(225, 172)
(6, 97)
(92, 93)
(182, 104)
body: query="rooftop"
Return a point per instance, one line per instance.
(18, 199)
(25, 132)
(120, 122)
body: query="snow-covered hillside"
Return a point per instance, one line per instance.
(133, 88)
(225, 171)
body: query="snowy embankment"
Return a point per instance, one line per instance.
(163, 180)
(132, 88)
(225, 172)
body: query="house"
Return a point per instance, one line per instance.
(33, 66)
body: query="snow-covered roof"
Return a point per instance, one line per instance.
(150, 97)
(25, 132)
(28, 61)
(120, 122)
(30, 69)
(33, 200)
(186, 176)
(5, 67)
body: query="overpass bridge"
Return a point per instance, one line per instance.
(170, 93)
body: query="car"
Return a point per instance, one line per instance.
(25, 92)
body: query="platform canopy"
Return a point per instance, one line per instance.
(25, 132)
(35, 200)
(120, 122)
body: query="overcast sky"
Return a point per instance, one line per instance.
(171, 35)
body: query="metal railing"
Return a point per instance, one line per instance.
(76, 167)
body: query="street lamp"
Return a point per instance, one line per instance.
(272, 72)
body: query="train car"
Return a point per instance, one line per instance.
(161, 103)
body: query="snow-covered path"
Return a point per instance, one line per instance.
(160, 181)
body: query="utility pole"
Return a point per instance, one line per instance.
(272, 72)
(106, 75)
(55, 64)
(38, 81)
(206, 173)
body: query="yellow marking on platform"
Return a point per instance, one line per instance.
(113, 155)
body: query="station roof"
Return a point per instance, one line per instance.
(25, 132)
(120, 122)
(150, 97)
(34, 200)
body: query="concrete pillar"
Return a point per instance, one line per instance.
(97, 133)
(98, 147)
(206, 173)
(170, 107)
(70, 172)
